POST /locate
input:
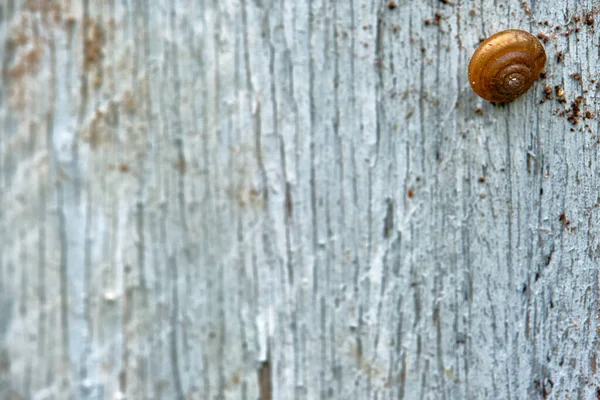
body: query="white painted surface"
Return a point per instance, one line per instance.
(199, 196)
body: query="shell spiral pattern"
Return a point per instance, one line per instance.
(506, 65)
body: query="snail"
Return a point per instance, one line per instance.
(506, 65)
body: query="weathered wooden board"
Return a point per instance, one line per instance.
(295, 200)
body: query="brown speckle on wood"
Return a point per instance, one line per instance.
(93, 44)
(560, 94)
(547, 94)
(70, 21)
(435, 21)
(50, 10)
(27, 64)
(589, 19)
(98, 132)
(574, 112)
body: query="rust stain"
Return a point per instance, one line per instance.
(264, 381)
(233, 381)
(563, 220)
(16, 97)
(93, 50)
(18, 35)
(70, 21)
(95, 137)
(98, 131)
(28, 47)
(26, 54)
(246, 197)
(49, 9)
(94, 42)
(122, 167)
(27, 64)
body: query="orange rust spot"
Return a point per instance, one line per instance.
(47, 8)
(27, 64)
(264, 381)
(98, 132)
(19, 38)
(93, 44)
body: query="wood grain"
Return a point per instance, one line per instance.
(295, 200)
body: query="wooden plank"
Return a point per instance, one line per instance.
(295, 199)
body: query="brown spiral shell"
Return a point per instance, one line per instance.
(506, 65)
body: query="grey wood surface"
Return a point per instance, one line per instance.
(257, 199)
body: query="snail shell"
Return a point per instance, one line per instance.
(506, 65)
